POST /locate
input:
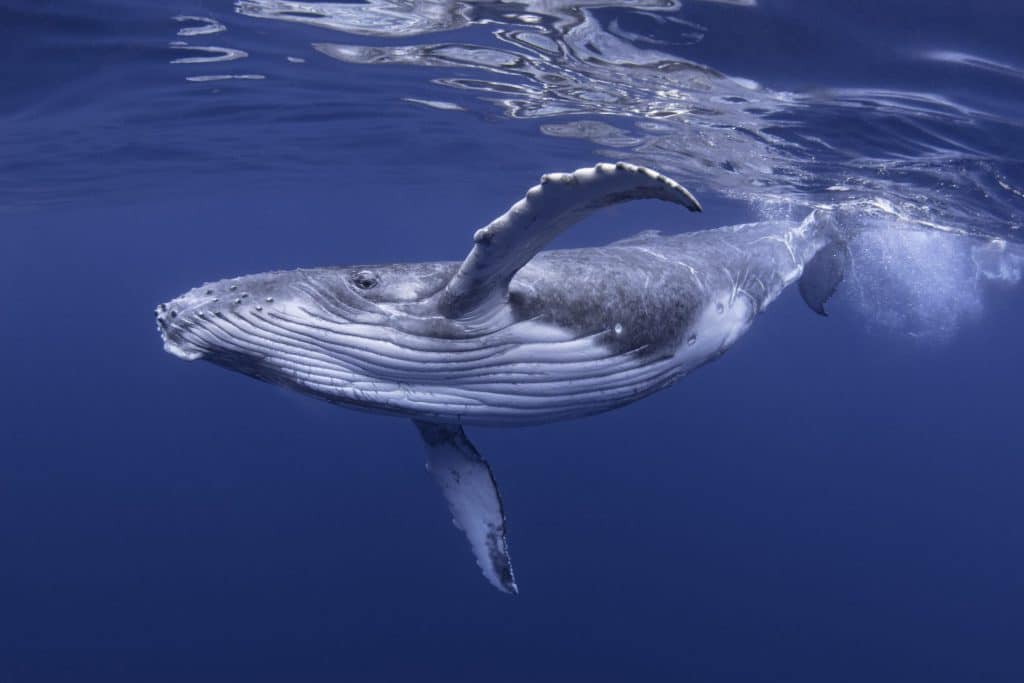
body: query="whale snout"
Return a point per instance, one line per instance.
(187, 323)
(223, 319)
(174, 320)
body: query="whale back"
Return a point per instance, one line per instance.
(627, 294)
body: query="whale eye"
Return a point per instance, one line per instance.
(365, 279)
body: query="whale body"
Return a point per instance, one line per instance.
(512, 335)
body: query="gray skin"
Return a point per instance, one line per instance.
(607, 326)
(510, 336)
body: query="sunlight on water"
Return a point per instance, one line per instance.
(912, 173)
(205, 26)
(630, 80)
(634, 94)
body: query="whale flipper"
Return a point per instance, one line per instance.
(472, 494)
(508, 242)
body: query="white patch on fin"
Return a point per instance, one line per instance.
(467, 484)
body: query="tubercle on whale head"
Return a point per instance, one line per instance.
(327, 328)
(203, 320)
(172, 330)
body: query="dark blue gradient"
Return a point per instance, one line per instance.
(831, 501)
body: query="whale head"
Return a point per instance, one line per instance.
(348, 334)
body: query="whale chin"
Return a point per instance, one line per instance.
(183, 351)
(171, 329)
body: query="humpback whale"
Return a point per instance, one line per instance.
(511, 335)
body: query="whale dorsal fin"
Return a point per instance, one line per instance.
(508, 242)
(826, 269)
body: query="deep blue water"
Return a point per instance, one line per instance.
(834, 500)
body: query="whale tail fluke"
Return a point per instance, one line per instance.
(826, 269)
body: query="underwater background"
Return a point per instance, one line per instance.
(837, 499)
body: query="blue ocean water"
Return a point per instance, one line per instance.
(834, 500)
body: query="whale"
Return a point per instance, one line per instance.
(514, 334)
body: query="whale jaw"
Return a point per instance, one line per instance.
(170, 332)
(182, 352)
(174, 321)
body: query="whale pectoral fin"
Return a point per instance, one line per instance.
(472, 494)
(561, 199)
(822, 275)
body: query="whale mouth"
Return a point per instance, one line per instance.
(172, 326)
(182, 351)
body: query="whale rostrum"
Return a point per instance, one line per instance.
(512, 335)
